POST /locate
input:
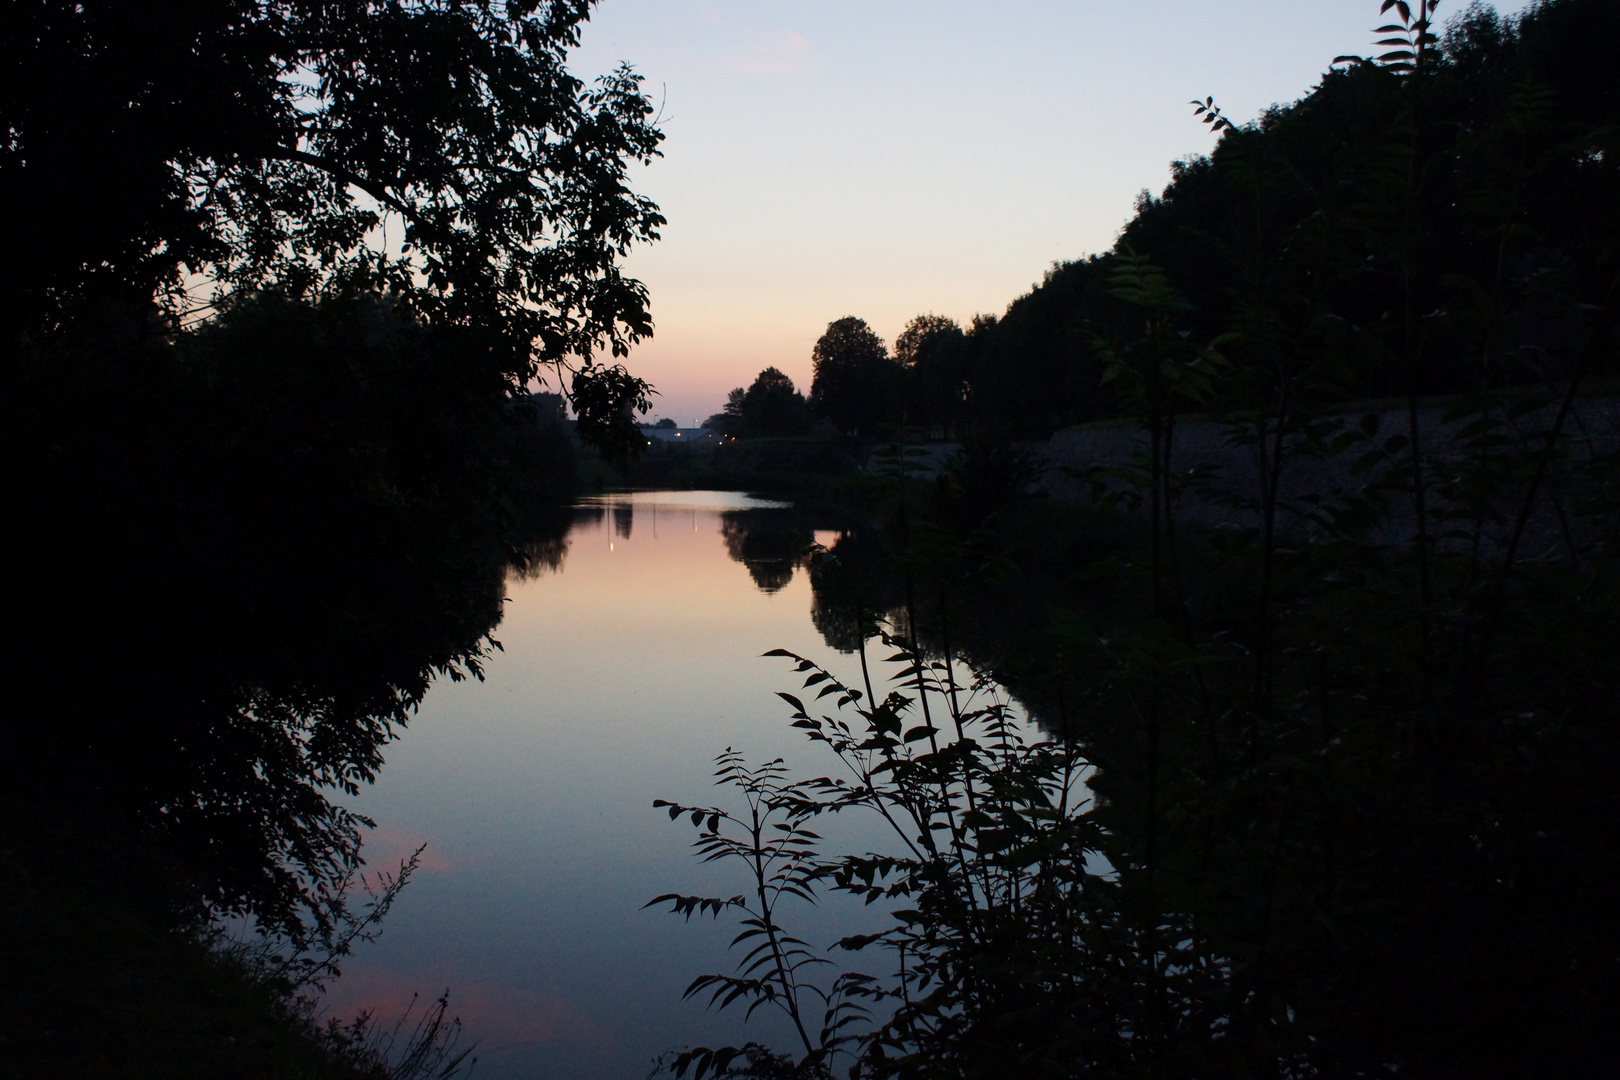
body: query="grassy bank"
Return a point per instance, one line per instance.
(96, 987)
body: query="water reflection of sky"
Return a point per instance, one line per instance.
(622, 674)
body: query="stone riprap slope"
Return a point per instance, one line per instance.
(1474, 465)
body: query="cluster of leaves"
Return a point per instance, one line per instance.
(997, 854)
(265, 142)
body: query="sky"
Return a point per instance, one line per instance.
(888, 158)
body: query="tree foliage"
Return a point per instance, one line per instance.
(168, 157)
(854, 384)
(934, 353)
(278, 272)
(1455, 183)
(769, 408)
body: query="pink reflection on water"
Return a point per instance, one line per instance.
(620, 676)
(506, 1016)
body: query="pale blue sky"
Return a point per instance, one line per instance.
(828, 158)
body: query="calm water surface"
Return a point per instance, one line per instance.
(623, 673)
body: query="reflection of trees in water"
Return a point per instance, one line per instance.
(855, 589)
(771, 575)
(770, 542)
(773, 542)
(624, 517)
(544, 545)
(849, 591)
(306, 555)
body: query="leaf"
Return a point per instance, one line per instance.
(1366, 461)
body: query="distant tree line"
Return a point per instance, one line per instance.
(1383, 234)
(769, 407)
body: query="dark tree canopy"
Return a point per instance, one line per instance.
(934, 353)
(299, 497)
(1375, 223)
(168, 155)
(920, 334)
(1381, 191)
(854, 382)
(769, 408)
(276, 272)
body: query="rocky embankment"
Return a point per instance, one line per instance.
(1476, 466)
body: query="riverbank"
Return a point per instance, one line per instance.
(98, 987)
(810, 471)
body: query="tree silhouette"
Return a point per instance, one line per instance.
(772, 407)
(276, 271)
(855, 384)
(246, 144)
(934, 352)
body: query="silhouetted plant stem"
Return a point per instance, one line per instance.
(784, 975)
(1418, 31)
(1158, 471)
(949, 694)
(1599, 331)
(866, 671)
(1270, 487)
(950, 664)
(1421, 542)
(918, 665)
(914, 648)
